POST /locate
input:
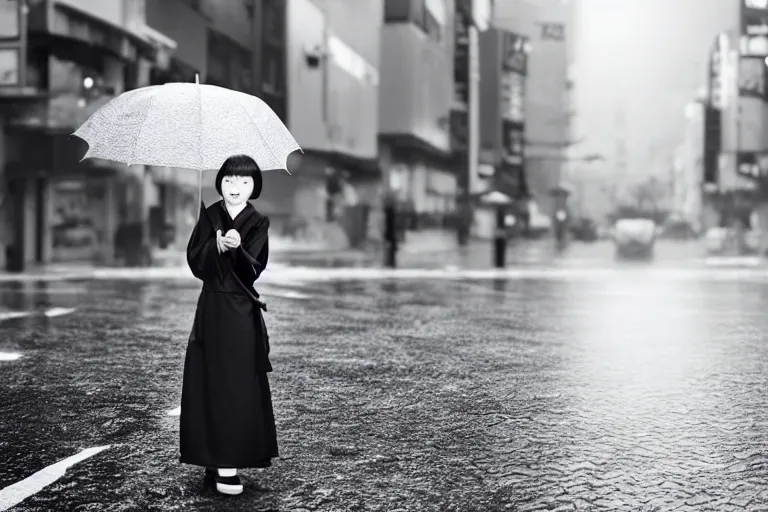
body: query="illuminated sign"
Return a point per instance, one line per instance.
(553, 31)
(513, 142)
(515, 53)
(752, 78)
(513, 96)
(756, 4)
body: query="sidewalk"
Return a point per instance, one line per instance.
(428, 251)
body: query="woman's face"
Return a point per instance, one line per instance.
(236, 190)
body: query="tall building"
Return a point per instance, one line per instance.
(547, 25)
(415, 106)
(688, 178)
(503, 68)
(332, 81)
(60, 61)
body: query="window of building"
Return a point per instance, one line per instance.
(416, 12)
(193, 4)
(272, 21)
(397, 11)
(272, 71)
(9, 20)
(229, 64)
(432, 26)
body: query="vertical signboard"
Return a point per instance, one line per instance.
(510, 176)
(713, 112)
(752, 129)
(459, 121)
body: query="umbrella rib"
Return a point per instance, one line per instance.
(274, 155)
(141, 127)
(200, 165)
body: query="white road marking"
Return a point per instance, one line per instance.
(18, 492)
(735, 261)
(53, 312)
(10, 315)
(9, 356)
(516, 273)
(287, 294)
(175, 412)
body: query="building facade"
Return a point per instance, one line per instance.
(332, 79)
(416, 96)
(688, 177)
(71, 57)
(547, 26)
(503, 68)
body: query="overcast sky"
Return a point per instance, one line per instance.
(647, 57)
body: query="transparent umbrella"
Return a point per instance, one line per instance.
(187, 125)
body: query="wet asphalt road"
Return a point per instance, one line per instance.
(631, 390)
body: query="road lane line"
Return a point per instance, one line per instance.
(18, 492)
(53, 312)
(10, 315)
(9, 356)
(286, 294)
(175, 412)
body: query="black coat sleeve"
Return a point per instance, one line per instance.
(255, 251)
(202, 254)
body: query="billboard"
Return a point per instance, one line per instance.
(510, 175)
(752, 129)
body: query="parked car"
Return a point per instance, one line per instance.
(584, 229)
(634, 238)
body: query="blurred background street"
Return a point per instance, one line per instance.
(476, 123)
(519, 265)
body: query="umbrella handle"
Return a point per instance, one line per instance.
(199, 192)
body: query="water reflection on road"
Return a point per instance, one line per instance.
(626, 389)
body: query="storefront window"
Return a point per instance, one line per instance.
(9, 66)
(78, 222)
(229, 64)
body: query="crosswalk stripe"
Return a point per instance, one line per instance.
(9, 356)
(10, 315)
(54, 312)
(18, 492)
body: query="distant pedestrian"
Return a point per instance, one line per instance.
(227, 422)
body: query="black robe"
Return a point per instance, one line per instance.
(226, 405)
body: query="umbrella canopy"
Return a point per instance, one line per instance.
(187, 125)
(496, 197)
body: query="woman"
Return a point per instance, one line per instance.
(227, 421)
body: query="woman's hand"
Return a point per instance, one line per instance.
(232, 239)
(220, 242)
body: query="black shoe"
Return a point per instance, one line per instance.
(229, 485)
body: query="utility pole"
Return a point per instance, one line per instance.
(468, 168)
(620, 156)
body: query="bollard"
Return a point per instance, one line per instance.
(500, 239)
(390, 235)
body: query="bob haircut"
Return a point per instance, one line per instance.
(240, 165)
